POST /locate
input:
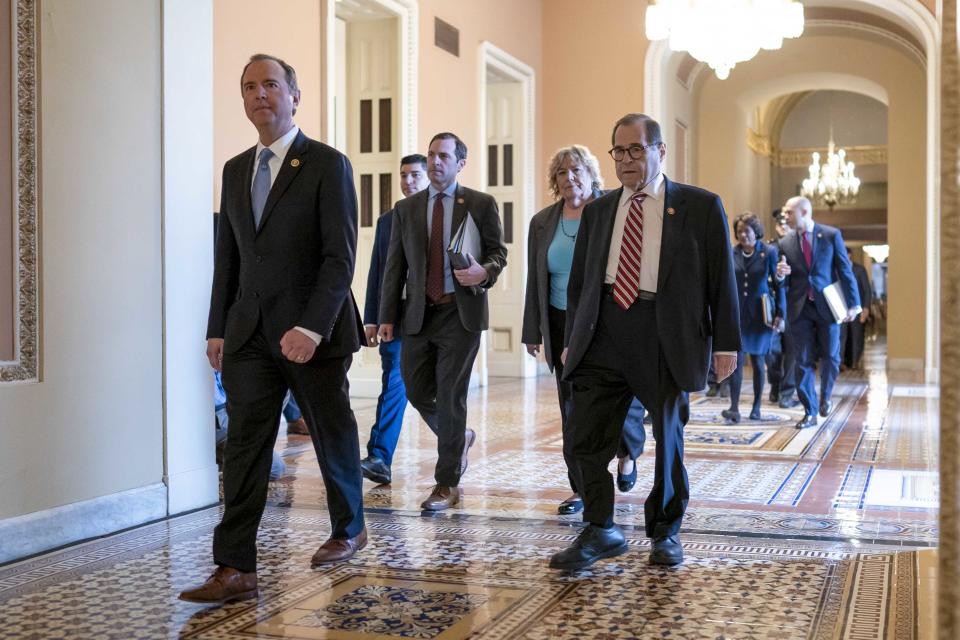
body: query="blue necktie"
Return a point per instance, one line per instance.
(261, 186)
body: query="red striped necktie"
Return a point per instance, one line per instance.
(626, 287)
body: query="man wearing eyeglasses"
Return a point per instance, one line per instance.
(651, 295)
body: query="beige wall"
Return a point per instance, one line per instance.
(450, 86)
(593, 55)
(290, 30)
(723, 129)
(94, 425)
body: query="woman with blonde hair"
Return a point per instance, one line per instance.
(574, 179)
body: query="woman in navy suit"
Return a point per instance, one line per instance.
(755, 266)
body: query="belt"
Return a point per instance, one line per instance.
(643, 295)
(446, 298)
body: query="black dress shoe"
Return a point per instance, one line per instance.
(594, 543)
(724, 390)
(375, 470)
(774, 395)
(825, 407)
(626, 482)
(666, 550)
(755, 413)
(712, 391)
(807, 421)
(732, 416)
(788, 402)
(570, 507)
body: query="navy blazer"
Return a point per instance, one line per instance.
(378, 265)
(295, 269)
(757, 276)
(829, 264)
(697, 308)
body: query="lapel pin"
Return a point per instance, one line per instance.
(670, 211)
(763, 255)
(819, 235)
(459, 200)
(295, 163)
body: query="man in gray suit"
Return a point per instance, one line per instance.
(446, 308)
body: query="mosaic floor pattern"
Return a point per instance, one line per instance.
(436, 577)
(818, 534)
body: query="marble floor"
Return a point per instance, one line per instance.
(823, 533)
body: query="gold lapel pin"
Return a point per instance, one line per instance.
(670, 211)
(295, 163)
(459, 200)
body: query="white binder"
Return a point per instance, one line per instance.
(836, 301)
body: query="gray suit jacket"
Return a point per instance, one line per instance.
(536, 321)
(407, 260)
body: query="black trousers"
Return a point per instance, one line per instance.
(625, 361)
(256, 379)
(633, 437)
(435, 365)
(781, 366)
(736, 380)
(852, 338)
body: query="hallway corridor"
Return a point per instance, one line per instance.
(820, 533)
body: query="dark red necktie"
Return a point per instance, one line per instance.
(808, 258)
(435, 259)
(626, 286)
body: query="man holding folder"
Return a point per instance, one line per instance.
(446, 307)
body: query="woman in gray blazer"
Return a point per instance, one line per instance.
(574, 179)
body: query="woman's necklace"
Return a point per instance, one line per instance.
(563, 228)
(747, 255)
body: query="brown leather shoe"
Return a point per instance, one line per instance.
(469, 438)
(339, 549)
(226, 584)
(298, 428)
(441, 498)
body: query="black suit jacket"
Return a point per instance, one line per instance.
(407, 260)
(863, 284)
(296, 268)
(697, 306)
(536, 319)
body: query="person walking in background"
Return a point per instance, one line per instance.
(755, 268)
(392, 402)
(574, 180)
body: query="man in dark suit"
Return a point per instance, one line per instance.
(393, 395)
(445, 308)
(282, 316)
(852, 333)
(780, 362)
(651, 296)
(812, 257)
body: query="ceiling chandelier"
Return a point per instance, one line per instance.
(832, 182)
(724, 32)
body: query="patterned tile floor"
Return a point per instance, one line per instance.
(818, 534)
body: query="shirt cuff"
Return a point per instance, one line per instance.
(369, 325)
(316, 337)
(725, 353)
(857, 309)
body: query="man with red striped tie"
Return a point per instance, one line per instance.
(651, 296)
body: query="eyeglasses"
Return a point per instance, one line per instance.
(636, 151)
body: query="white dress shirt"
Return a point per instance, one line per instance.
(652, 232)
(280, 147)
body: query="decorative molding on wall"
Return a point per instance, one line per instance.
(51, 528)
(760, 144)
(26, 365)
(860, 155)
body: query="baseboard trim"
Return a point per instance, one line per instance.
(33, 533)
(905, 364)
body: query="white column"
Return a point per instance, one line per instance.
(190, 471)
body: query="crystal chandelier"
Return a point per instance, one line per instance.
(832, 182)
(724, 32)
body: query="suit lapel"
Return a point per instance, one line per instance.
(246, 203)
(672, 226)
(418, 219)
(605, 226)
(295, 159)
